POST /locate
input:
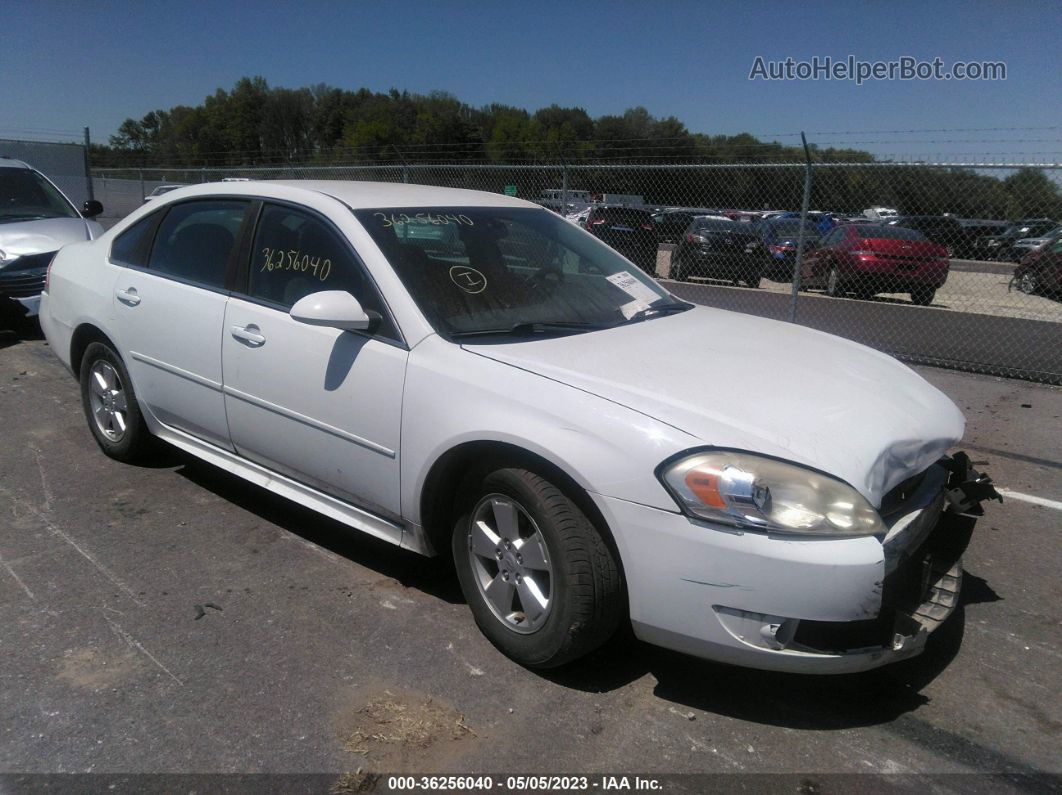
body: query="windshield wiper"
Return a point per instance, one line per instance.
(652, 311)
(531, 329)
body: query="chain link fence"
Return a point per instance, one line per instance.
(950, 264)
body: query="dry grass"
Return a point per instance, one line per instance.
(386, 725)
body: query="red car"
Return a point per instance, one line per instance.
(867, 259)
(1040, 271)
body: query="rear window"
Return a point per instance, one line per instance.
(792, 228)
(131, 246)
(890, 232)
(716, 225)
(622, 215)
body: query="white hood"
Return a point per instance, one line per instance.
(46, 234)
(744, 382)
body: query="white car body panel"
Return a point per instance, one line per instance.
(813, 385)
(318, 404)
(352, 426)
(171, 340)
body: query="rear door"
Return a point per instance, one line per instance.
(170, 312)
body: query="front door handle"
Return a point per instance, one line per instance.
(128, 296)
(248, 334)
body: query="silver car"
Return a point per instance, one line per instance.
(36, 220)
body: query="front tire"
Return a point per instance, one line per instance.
(540, 580)
(923, 296)
(111, 407)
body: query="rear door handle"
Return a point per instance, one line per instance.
(128, 296)
(248, 334)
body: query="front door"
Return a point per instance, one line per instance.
(320, 405)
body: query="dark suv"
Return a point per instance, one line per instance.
(672, 223)
(717, 248)
(628, 230)
(940, 229)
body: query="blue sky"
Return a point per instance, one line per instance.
(65, 65)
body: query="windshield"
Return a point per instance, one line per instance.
(474, 270)
(26, 195)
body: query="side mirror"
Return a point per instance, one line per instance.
(92, 208)
(334, 309)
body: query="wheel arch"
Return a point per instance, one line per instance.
(83, 336)
(451, 471)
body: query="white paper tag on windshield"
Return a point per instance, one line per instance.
(633, 287)
(631, 308)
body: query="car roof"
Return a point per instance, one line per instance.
(10, 162)
(364, 195)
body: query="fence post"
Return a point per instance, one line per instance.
(564, 190)
(88, 165)
(143, 195)
(799, 264)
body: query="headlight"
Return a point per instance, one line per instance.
(749, 491)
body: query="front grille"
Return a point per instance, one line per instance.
(24, 278)
(22, 284)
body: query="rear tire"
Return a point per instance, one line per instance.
(519, 538)
(676, 272)
(923, 296)
(111, 407)
(1029, 283)
(833, 283)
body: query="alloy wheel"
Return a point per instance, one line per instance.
(108, 401)
(510, 563)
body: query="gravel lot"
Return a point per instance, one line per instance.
(314, 649)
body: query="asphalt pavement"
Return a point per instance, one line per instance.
(172, 618)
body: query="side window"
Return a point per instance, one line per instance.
(131, 247)
(195, 240)
(295, 254)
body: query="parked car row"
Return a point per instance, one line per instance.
(851, 258)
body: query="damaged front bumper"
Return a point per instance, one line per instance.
(797, 604)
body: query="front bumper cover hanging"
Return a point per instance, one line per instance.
(966, 487)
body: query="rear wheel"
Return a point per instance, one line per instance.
(1029, 283)
(540, 580)
(833, 283)
(923, 296)
(111, 406)
(677, 271)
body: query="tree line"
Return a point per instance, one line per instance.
(256, 125)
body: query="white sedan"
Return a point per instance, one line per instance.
(466, 373)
